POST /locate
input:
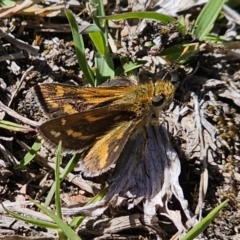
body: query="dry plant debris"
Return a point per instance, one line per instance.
(204, 128)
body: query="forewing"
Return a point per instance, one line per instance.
(61, 100)
(80, 130)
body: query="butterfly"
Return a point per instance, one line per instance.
(99, 120)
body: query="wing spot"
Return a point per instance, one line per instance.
(116, 148)
(94, 118)
(55, 134)
(63, 121)
(51, 103)
(68, 108)
(74, 134)
(59, 91)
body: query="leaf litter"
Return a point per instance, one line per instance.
(198, 143)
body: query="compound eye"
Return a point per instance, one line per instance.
(158, 100)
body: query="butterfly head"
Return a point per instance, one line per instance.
(163, 94)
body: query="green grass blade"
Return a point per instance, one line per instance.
(98, 42)
(70, 166)
(128, 66)
(89, 29)
(61, 224)
(78, 220)
(57, 180)
(207, 17)
(15, 127)
(102, 23)
(79, 48)
(103, 60)
(30, 155)
(201, 226)
(213, 38)
(98, 197)
(33, 221)
(96, 36)
(146, 15)
(180, 53)
(104, 68)
(7, 3)
(50, 195)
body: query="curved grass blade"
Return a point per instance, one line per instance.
(33, 221)
(61, 224)
(201, 226)
(15, 127)
(79, 48)
(103, 60)
(207, 17)
(30, 155)
(78, 220)
(57, 180)
(146, 15)
(70, 166)
(180, 53)
(104, 68)
(129, 66)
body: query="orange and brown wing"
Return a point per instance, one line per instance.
(106, 150)
(61, 100)
(80, 130)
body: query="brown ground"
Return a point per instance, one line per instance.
(211, 79)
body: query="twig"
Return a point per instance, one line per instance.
(12, 56)
(81, 183)
(15, 115)
(18, 8)
(7, 139)
(48, 27)
(8, 155)
(20, 44)
(20, 84)
(204, 174)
